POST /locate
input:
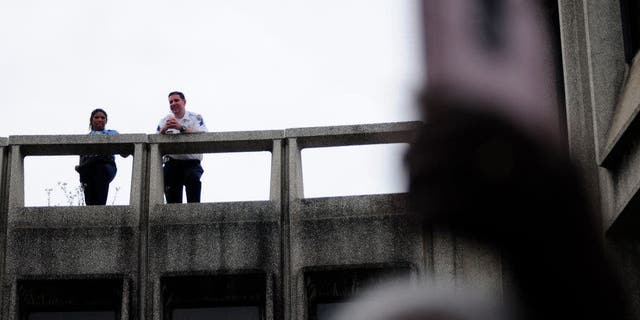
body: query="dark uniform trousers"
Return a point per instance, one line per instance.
(179, 173)
(95, 179)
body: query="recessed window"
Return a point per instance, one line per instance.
(222, 313)
(236, 296)
(329, 290)
(70, 299)
(72, 315)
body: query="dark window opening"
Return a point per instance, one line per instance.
(72, 315)
(228, 296)
(629, 12)
(550, 8)
(70, 299)
(328, 290)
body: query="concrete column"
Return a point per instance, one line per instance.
(125, 301)
(3, 177)
(294, 192)
(16, 178)
(3, 218)
(275, 192)
(139, 195)
(478, 265)
(607, 66)
(443, 258)
(156, 301)
(11, 299)
(138, 177)
(578, 95)
(156, 178)
(294, 165)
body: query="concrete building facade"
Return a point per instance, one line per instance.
(286, 258)
(600, 71)
(293, 257)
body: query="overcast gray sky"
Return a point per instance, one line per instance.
(243, 65)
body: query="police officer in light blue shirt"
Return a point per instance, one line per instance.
(97, 171)
(181, 170)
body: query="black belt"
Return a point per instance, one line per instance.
(169, 159)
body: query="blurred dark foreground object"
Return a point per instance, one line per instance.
(483, 178)
(489, 164)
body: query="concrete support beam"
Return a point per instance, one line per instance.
(138, 177)
(577, 84)
(605, 60)
(156, 180)
(16, 178)
(275, 187)
(4, 142)
(4, 199)
(294, 165)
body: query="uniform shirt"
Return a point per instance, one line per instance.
(190, 120)
(105, 132)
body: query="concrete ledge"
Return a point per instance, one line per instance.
(354, 134)
(222, 246)
(64, 140)
(345, 230)
(209, 142)
(72, 217)
(77, 144)
(218, 136)
(352, 206)
(213, 213)
(214, 236)
(66, 251)
(374, 239)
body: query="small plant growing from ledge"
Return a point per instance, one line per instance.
(48, 191)
(73, 195)
(115, 195)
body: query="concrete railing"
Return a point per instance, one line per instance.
(281, 239)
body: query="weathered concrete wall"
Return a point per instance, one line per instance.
(289, 235)
(602, 106)
(594, 70)
(283, 238)
(63, 242)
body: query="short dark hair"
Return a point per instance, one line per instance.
(178, 93)
(93, 113)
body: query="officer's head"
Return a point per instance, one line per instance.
(98, 119)
(177, 103)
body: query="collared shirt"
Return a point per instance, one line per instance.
(106, 131)
(192, 121)
(89, 158)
